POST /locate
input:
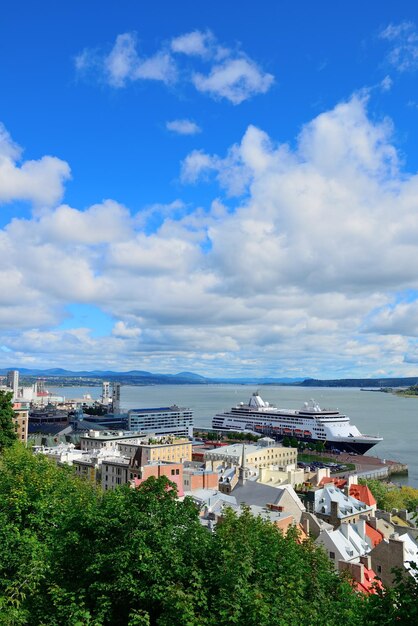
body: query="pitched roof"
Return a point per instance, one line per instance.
(362, 493)
(370, 583)
(338, 482)
(374, 535)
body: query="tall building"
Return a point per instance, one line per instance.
(116, 398)
(21, 420)
(105, 392)
(172, 420)
(13, 381)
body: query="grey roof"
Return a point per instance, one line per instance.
(253, 493)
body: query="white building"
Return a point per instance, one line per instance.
(13, 382)
(348, 543)
(116, 398)
(172, 420)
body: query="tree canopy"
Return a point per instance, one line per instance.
(7, 427)
(73, 555)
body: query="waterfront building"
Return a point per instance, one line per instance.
(13, 382)
(172, 420)
(105, 399)
(116, 398)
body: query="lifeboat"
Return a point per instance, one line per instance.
(298, 432)
(307, 433)
(287, 431)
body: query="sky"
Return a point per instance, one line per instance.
(228, 188)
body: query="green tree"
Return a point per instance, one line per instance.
(7, 427)
(397, 605)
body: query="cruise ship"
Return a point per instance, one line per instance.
(310, 424)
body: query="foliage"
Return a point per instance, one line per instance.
(398, 605)
(390, 496)
(73, 555)
(7, 427)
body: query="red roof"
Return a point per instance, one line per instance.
(362, 493)
(370, 582)
(340, 483)
(374, 535)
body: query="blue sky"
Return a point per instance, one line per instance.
(222, 187)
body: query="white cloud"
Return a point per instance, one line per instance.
(123, 64)
(195, 43)
(183, 127)
(40, 182)
(234, 79)
(403, 54)
(121, 329)
(309, 271)
(234, 76)
(386, 84)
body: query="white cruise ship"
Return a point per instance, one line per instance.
(310, 423)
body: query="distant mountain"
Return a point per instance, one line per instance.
(361, 382)
(140, 377)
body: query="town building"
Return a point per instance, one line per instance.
(363, 576)
(173, 449)
(95, 439)
(195, 477)
(172, 420)
(114, 472)
(263, 454)
(399, 551)
(347, 543)
(21, 420)
(172, 471)
(334, 506)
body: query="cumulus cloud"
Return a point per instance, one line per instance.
(123, 64)
(195, 43)
(183, 127)
(234, 79)
(403, 38)
(308, 265)
(232, 74)
(40, 182)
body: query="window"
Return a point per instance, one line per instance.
(379, 569)
(172, 472)
(332, 555)
(177, 472)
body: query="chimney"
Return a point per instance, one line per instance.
(335, 509)
(361, 528)
(344, 529)
(367, 561)
(355, 569)
(373, 522)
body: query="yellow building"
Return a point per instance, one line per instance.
(166, 449)
(264, 454)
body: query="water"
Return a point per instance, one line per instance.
(393, 418)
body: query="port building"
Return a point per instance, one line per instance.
(172, 420)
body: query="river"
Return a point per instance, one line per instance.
(393, 418)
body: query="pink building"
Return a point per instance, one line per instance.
(172, 471)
